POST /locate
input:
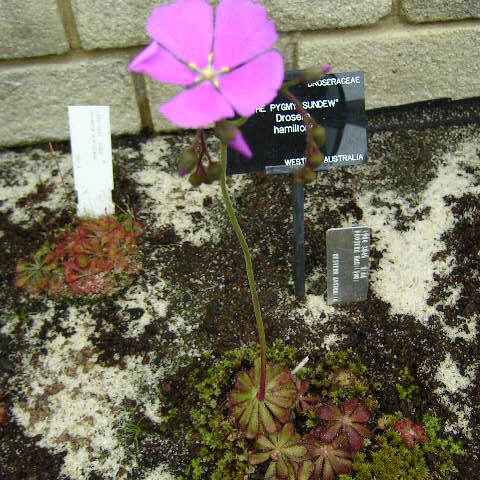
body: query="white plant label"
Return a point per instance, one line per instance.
(91, 144)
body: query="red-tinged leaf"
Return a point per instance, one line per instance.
(408, 439)
(282, 468)
(82, 261)
(331, 432)
(410, 432)
(305, 470)
(253, 424)
(354, 438)
(244, 382)
(361, 429)
(328, 471)
(40, 281)
(257, 458)
(350, 418)
(3, 413)
(264, 443)
(349, 406)
(266, 418)
(330, 459)
(21, 280)
(271, 470)
(329, 412)
(240, 396)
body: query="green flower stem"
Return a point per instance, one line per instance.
(248, 264)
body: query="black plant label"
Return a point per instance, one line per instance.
(276, 133)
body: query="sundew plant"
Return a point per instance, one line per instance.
(228, 66)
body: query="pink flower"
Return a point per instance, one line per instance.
(227, 68)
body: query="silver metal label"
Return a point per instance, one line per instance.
(348, 255)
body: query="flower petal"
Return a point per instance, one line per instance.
(185, 28)
(197, 107)
(253, 84)
(242, 31)
(161, 65)
(240, 145)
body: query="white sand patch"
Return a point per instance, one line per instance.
(463, 413)
(25, 173)
(141, 297)
(449, 375)
(172, 201)
(35, 322)
(455, 383)
(466, 331)
(405, 275)
(315, 312)
(159, 473)
(331, 340)
(76, 405)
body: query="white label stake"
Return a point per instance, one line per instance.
(92, 159)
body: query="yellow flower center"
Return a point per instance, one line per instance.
(208, 73)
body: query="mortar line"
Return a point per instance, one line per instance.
(69, 25)
(141, 97)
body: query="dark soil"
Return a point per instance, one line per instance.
(386, 343)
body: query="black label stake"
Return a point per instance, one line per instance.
(299, 234)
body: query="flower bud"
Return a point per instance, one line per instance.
(308, 175)
(316, 159)
(225, 131)
(319, 134)
(187, 161)
(195, 179)
(314, 73)
(304, 174)
(214, 171)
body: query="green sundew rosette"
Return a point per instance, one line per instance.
(284, 451)
(255, 416)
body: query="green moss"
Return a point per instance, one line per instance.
(406, 388)
(443, 450)
(388, 458)
(320, 376)
(210, 433)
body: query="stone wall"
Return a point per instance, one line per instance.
(55, 53)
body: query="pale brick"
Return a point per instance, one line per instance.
(35, 98)
(405, 65)
(30, 29)
(159, 93)
(307, 15)
(112, 23)
(438, 10)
